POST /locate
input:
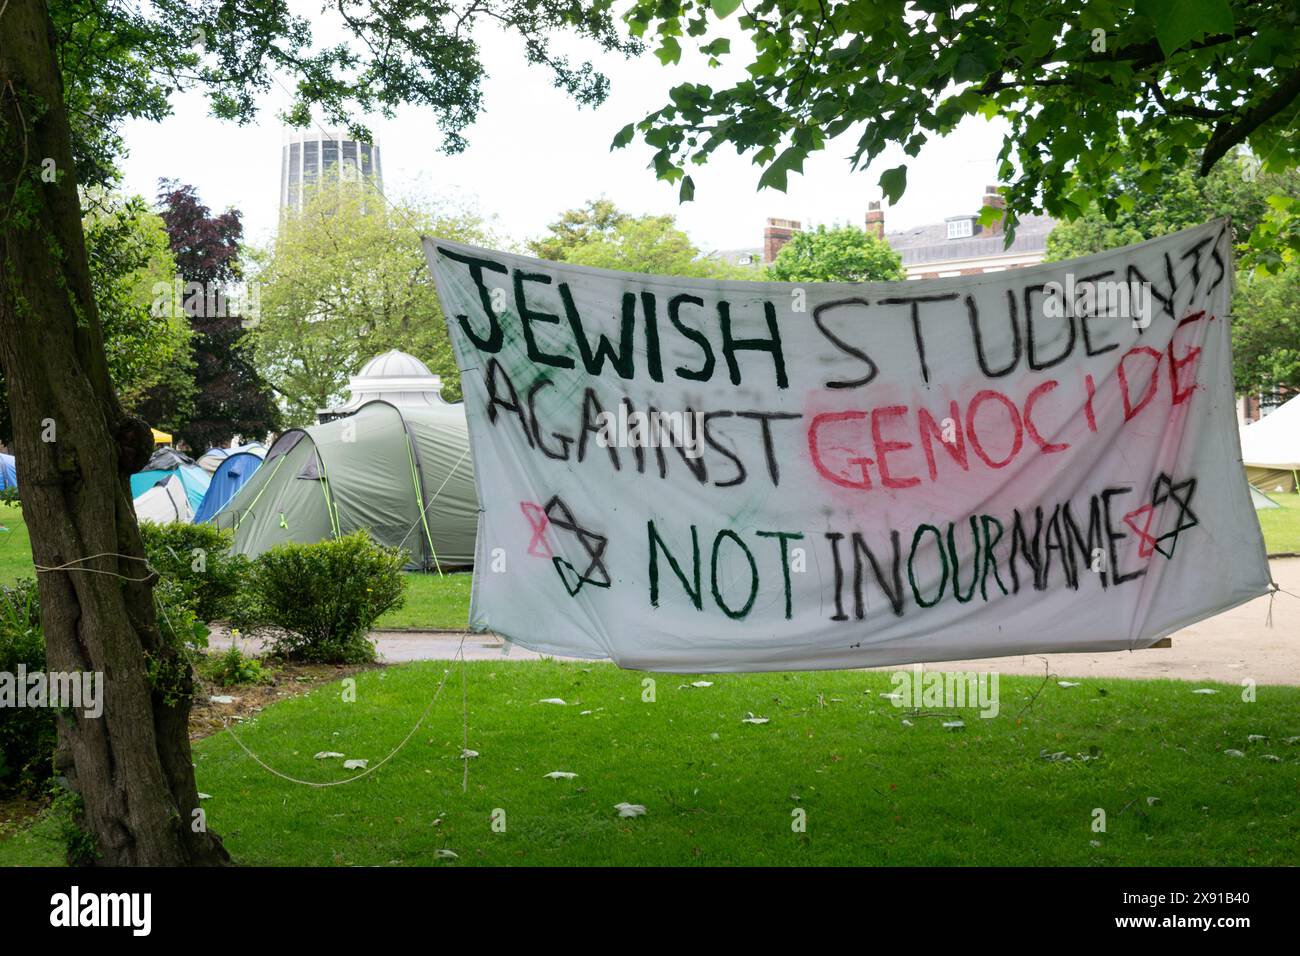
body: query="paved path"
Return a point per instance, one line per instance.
(1230, 647)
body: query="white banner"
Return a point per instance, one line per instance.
(693, 475)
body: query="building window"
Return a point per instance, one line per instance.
(960, 228)
(310, 161)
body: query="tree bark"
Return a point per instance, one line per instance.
(76, 450)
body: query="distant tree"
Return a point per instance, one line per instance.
(230, 398)
(1234, 187)
(653, 244)
(1266, 332)
(595, 220)
(345, 280)
(146, 341)
(838, 254)
(129, 255)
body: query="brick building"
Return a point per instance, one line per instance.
(957, 246)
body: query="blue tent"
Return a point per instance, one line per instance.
(229, 477)
(166, 462)
(8, 474)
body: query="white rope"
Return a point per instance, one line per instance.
(68, 566)
(369, 770)
(464, 709)
(459, 655)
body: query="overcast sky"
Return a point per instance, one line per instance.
(533, 153)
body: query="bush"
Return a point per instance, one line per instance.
(234, 667)
(198, 560)
(28, 735)
(316, 602)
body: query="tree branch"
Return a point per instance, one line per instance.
(1184, 109)
(1227, 135)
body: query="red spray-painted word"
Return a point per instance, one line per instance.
(859, 448)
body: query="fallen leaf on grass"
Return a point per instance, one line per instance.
(326, 754)
(751, 719)
(552, 700)
(1233, 753)
(355, 764)
(446, 855)
(1067, 683)
(1205, 690)
(630, 809)
(222, 699)
(561, 775)
(954, 724)
(467, 754)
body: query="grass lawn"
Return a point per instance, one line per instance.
(432, 602)
(1282, 525)
(718, 791)
(15, 548)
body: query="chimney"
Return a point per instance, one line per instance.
(875, 220)
(777, 233)
(994, 198)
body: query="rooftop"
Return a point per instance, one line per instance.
(930, 243)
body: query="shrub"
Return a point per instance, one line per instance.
(197, 558)
(186, 634)
(28, 735)
(317, 601)
(235, 667)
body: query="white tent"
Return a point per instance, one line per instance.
(1270, 449)
(164, 502)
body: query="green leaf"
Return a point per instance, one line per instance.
(894, 182)
(724, 8)
(623, 137)
(670, 51)
(1179, 22)
(687, 191)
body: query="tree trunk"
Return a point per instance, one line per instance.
(76, 450)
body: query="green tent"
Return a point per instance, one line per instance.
(404, 475)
